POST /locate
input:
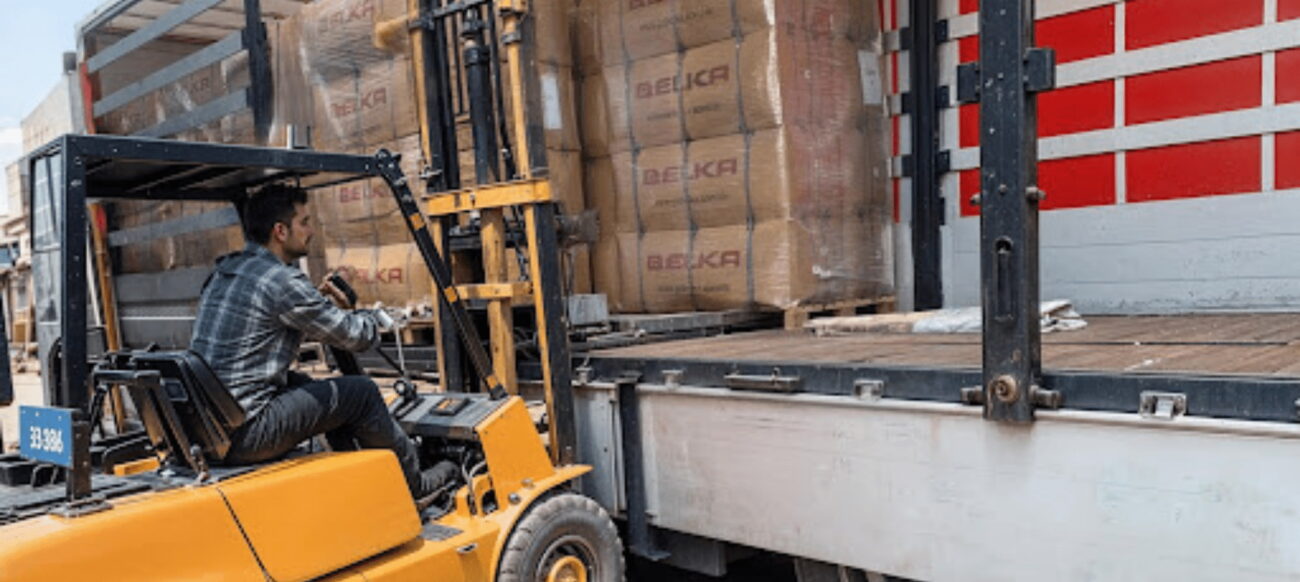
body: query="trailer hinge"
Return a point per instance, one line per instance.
(942, 100)
(968, 83)
(1162, 405)
(1040, 70)
(942, 164)
(942, 34)
(1041, 397)
(869, 389)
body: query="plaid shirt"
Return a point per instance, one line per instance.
(253, 314)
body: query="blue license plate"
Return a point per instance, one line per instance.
(46, 434)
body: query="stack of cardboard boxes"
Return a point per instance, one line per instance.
(734, 150)
(357, 98)
(729, 152)
(362, 98)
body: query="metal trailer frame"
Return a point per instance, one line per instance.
(251, 38)
(927, 164)
(943, 473)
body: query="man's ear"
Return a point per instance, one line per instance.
(280, 232)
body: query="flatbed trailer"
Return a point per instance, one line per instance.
(1246, 344)
(1139, 449)
(1166, 459)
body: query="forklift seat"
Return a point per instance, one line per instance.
(190, 413)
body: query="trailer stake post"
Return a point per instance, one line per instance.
(1010, 72)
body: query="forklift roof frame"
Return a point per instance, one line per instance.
(128, 168)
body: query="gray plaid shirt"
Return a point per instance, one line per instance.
(253, 314)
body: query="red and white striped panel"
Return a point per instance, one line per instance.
(1157, 101)
(1183, 98)
(896, 77)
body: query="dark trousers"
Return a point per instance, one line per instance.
(348, 410)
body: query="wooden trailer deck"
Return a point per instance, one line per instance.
(1255, 344)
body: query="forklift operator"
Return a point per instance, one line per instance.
(254, 311)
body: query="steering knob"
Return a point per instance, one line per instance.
(384, 320)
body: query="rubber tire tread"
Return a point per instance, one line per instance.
(554, 516)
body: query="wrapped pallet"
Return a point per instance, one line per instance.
(558, 101)
(357, 93)
(360, 97)
(735, 152)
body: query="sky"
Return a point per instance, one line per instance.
(34, 34)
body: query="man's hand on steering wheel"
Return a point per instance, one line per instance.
(330, 289)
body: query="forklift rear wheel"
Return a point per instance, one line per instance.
(563, 538)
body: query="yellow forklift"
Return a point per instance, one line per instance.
(160, 508)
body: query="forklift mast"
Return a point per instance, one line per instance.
(474, 62)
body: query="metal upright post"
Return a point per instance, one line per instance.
(479, 73)
(6, 381)
(444, 168)
(72, 248)
(518, 36)
(261, 97)
(79, 481)
(482, 113)
(1011, 70)
(927, 203)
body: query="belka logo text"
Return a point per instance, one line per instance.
(687, 81)
(701, 260)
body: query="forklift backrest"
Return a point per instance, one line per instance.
(197, 409)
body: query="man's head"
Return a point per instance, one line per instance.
(276, 217)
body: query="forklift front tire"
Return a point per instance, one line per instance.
(563, 538)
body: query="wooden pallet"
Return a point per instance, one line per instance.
(796, 317)
(662, 323)
(420, 331)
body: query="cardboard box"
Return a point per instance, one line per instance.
(337, 37)
(566, 176)
(606, 127)
(363, 212)
(364, 109)
(769, 78)
(788, 216)
(558, 93)
(552, 20)
(138, 115)
(557, 102)
(738, 149)
(394, 275)
(610, 32)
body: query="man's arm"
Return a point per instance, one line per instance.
(307, 310)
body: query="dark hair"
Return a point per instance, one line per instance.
(262, 210)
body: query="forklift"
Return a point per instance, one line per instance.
(160, 504)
